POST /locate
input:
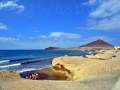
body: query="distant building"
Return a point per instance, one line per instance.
(98, 44)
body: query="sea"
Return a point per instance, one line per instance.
(27, 60)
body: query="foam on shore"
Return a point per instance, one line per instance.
(4, 61)
(11, 65)
(31, 69)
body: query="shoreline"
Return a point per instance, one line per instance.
(70, 73)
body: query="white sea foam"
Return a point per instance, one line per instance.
(27, 69)
(30, 69)
(4, 61)
(11, 65)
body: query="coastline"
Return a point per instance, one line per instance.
(88, 74)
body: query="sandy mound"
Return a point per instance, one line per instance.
(82, 68)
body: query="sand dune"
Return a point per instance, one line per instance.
(83, 68)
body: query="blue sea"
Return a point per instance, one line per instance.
(26, 60)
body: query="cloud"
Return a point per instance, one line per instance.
(57, 39)
(106, 8)
(8, 39)
(105, 24)
(56, 36)
(89, 2)
(64, 35)
(3, 26)
(44, 36)
(11, 5)
(105, 16)
(8, 42)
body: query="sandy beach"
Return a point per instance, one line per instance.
(88, 74)
(104, 83)
(59, 44)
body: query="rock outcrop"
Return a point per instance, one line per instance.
(78, 68)
(103, 54)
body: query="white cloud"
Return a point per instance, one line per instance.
(38, 38)
(105, 16)
(106, 8)
(11, 5)
(56, 36)
(105, 24)
(44, 36)
(8, 39)
(64, 35)
(3, 26)
(89, 2)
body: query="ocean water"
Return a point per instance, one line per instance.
(26, 60)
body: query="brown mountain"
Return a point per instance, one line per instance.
(98, 43)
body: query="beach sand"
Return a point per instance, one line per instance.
(104, 83)
(104, 75)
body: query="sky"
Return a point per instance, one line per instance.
(37, 24)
